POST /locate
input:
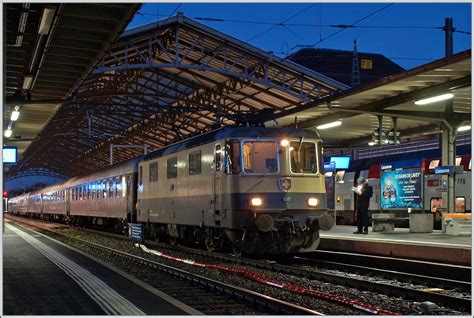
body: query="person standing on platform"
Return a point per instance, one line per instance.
(363, 192)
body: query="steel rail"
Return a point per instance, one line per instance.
(439, 270)
(386, 289)
(275, 305)
(389, 274)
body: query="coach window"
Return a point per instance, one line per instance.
(104, 188)
(218, 157)
(232, 156)
(153, 171)
(195, 162)
(118, 187)
(124, 186)
(129, 186)
(140, 178)
(172, 168)
(303, 157)
(111, 188)
(260, 157)
(93, 190)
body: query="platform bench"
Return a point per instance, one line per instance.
(458, 223)
(383, 222)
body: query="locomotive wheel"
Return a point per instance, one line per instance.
(210, 244)
(236, 250)
(173, 240)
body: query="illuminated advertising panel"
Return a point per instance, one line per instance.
(401, 189)
(341, 162)
(9, 155)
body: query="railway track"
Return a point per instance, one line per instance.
(305, 267)
(209, 296)
(432, 289)
(409, 266)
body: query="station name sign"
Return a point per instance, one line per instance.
(444, 170)
(136, 232)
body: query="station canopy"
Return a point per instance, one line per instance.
(359, 109)
(161, 83)
(49, 50)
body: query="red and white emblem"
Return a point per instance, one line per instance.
(284, 184)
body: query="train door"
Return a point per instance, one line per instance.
(218, 184)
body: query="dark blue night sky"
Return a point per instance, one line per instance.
(407, 47)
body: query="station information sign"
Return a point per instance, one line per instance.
(401, 189)
(136, 232)
(444, 170)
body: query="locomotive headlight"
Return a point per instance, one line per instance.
(256, 201)
(313, 202)
(284, 142)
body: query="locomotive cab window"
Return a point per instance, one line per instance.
(232, 156)
(172, 168)
(303, 157)
(260, 157)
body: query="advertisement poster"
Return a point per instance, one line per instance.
(401, 189)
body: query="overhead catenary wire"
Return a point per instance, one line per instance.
(354, 23)
(311, 25)
(286, 20)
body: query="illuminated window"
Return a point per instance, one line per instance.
(436, 204)
(111, 188)
(124, 186)
(433, 164)
(260, 157)
(303, 157)
(104, 189)
(460, 205)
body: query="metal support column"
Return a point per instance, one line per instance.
(448, 157)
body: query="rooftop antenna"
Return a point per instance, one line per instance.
(355, 67)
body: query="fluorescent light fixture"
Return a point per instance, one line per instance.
(8, 133)
(371, 143)
(15, 115)
(46, 21)
(434, 99)
(330, 125)
(464, 128)
(27, 81)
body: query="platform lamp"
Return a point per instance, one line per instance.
(392, 136)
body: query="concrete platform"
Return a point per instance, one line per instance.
(435, 246)
(45, 277)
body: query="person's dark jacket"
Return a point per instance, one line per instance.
(363, 200)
